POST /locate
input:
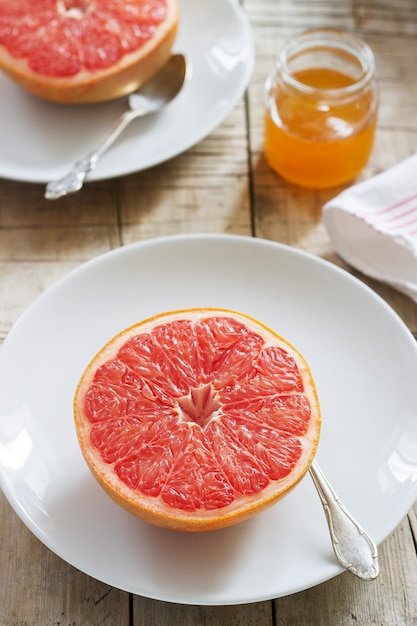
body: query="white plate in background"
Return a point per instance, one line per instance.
(41, 140)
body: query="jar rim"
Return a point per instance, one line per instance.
(328, 39)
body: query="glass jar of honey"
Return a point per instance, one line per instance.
(321, 108)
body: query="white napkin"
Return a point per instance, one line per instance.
(373, 226)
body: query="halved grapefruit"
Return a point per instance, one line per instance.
(197, 419)
(83, 51)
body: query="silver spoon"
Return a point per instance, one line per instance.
(151, 97)
(353, 547)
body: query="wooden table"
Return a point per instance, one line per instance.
(221, 185)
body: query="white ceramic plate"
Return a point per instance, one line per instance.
(41, 140)
(362, 356)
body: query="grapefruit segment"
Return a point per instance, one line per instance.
(197, 419)
(83, 51)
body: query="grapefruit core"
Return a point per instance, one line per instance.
(197, 419)
(85, 51)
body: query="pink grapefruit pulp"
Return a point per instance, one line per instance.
(83, 51)
(197, 419)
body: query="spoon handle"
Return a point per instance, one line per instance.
(353, 547)
(74, 179)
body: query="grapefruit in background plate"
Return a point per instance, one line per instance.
(197, 419)
(84, 51)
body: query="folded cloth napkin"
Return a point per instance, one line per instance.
(373, 226)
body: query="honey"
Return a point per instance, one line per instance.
(321, 110)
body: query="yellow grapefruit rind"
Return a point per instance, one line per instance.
(154, 510)
(120, 79)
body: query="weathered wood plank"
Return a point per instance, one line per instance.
(39, 588)
(149, 612)
(348, 601)
(205, 190)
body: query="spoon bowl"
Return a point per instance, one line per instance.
(151, 97)
(157, 92)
